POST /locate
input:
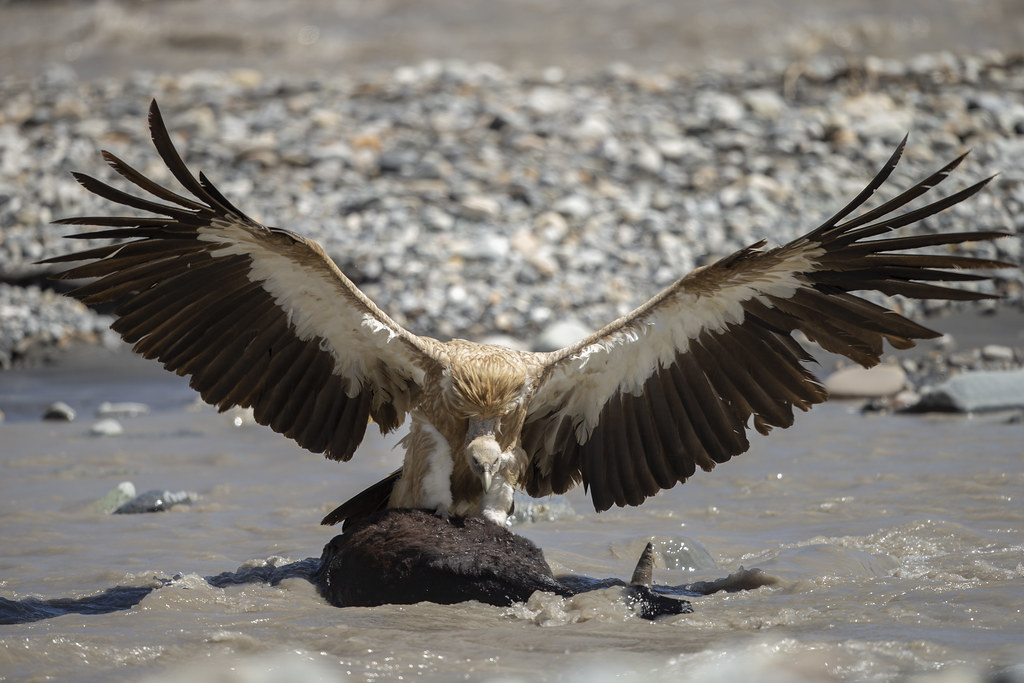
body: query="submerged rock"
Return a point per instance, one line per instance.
(154, 501)
(115, 498)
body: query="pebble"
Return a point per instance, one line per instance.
(59, 412)
(857, 382)
(625, 179)
(480, 208)
(997, 353)
(106, 427)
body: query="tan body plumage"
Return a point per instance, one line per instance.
(261, 317)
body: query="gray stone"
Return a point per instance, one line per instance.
(59, 412)
(973, 392)
(106, 427)
(560, 334)
(997, 353)
(479, 208)
(574, 206)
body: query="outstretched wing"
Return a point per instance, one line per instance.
(259, 317)
(638, 406)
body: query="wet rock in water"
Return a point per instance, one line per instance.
(542, 510)
(123, 409)
(740, 580)
(858, 382)
(154, 501)
(59, 412)
(972, 392)
(115, 498)
(107, 427)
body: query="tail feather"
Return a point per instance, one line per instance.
(364, 503)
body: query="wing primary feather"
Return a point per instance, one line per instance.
(567, 469)
(639, 482)
(112, 194)
(262, 395)
(159, 295)
(712, 425)
(112, 285)
(259, 355)
(593, 469)
(161, 338)
(861, 249)
(316, 433)
(314, 364)
(351, 428)
(165, 148)
(905, 219)
(148, 185)
(679, 421)
(652, 448)
(865, 194)
(616, 455)
(907, 196)
(267, 329)
(190, 327)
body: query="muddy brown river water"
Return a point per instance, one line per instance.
(898, 541)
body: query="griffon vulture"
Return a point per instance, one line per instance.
(260, 317)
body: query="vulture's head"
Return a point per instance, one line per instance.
(490, 392)
(484, 458)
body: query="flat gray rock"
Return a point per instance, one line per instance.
(973, 392)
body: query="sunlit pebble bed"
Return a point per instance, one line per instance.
(471, 201)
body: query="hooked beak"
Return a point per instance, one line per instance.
(483, 449)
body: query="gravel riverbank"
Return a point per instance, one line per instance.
(472, 201)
